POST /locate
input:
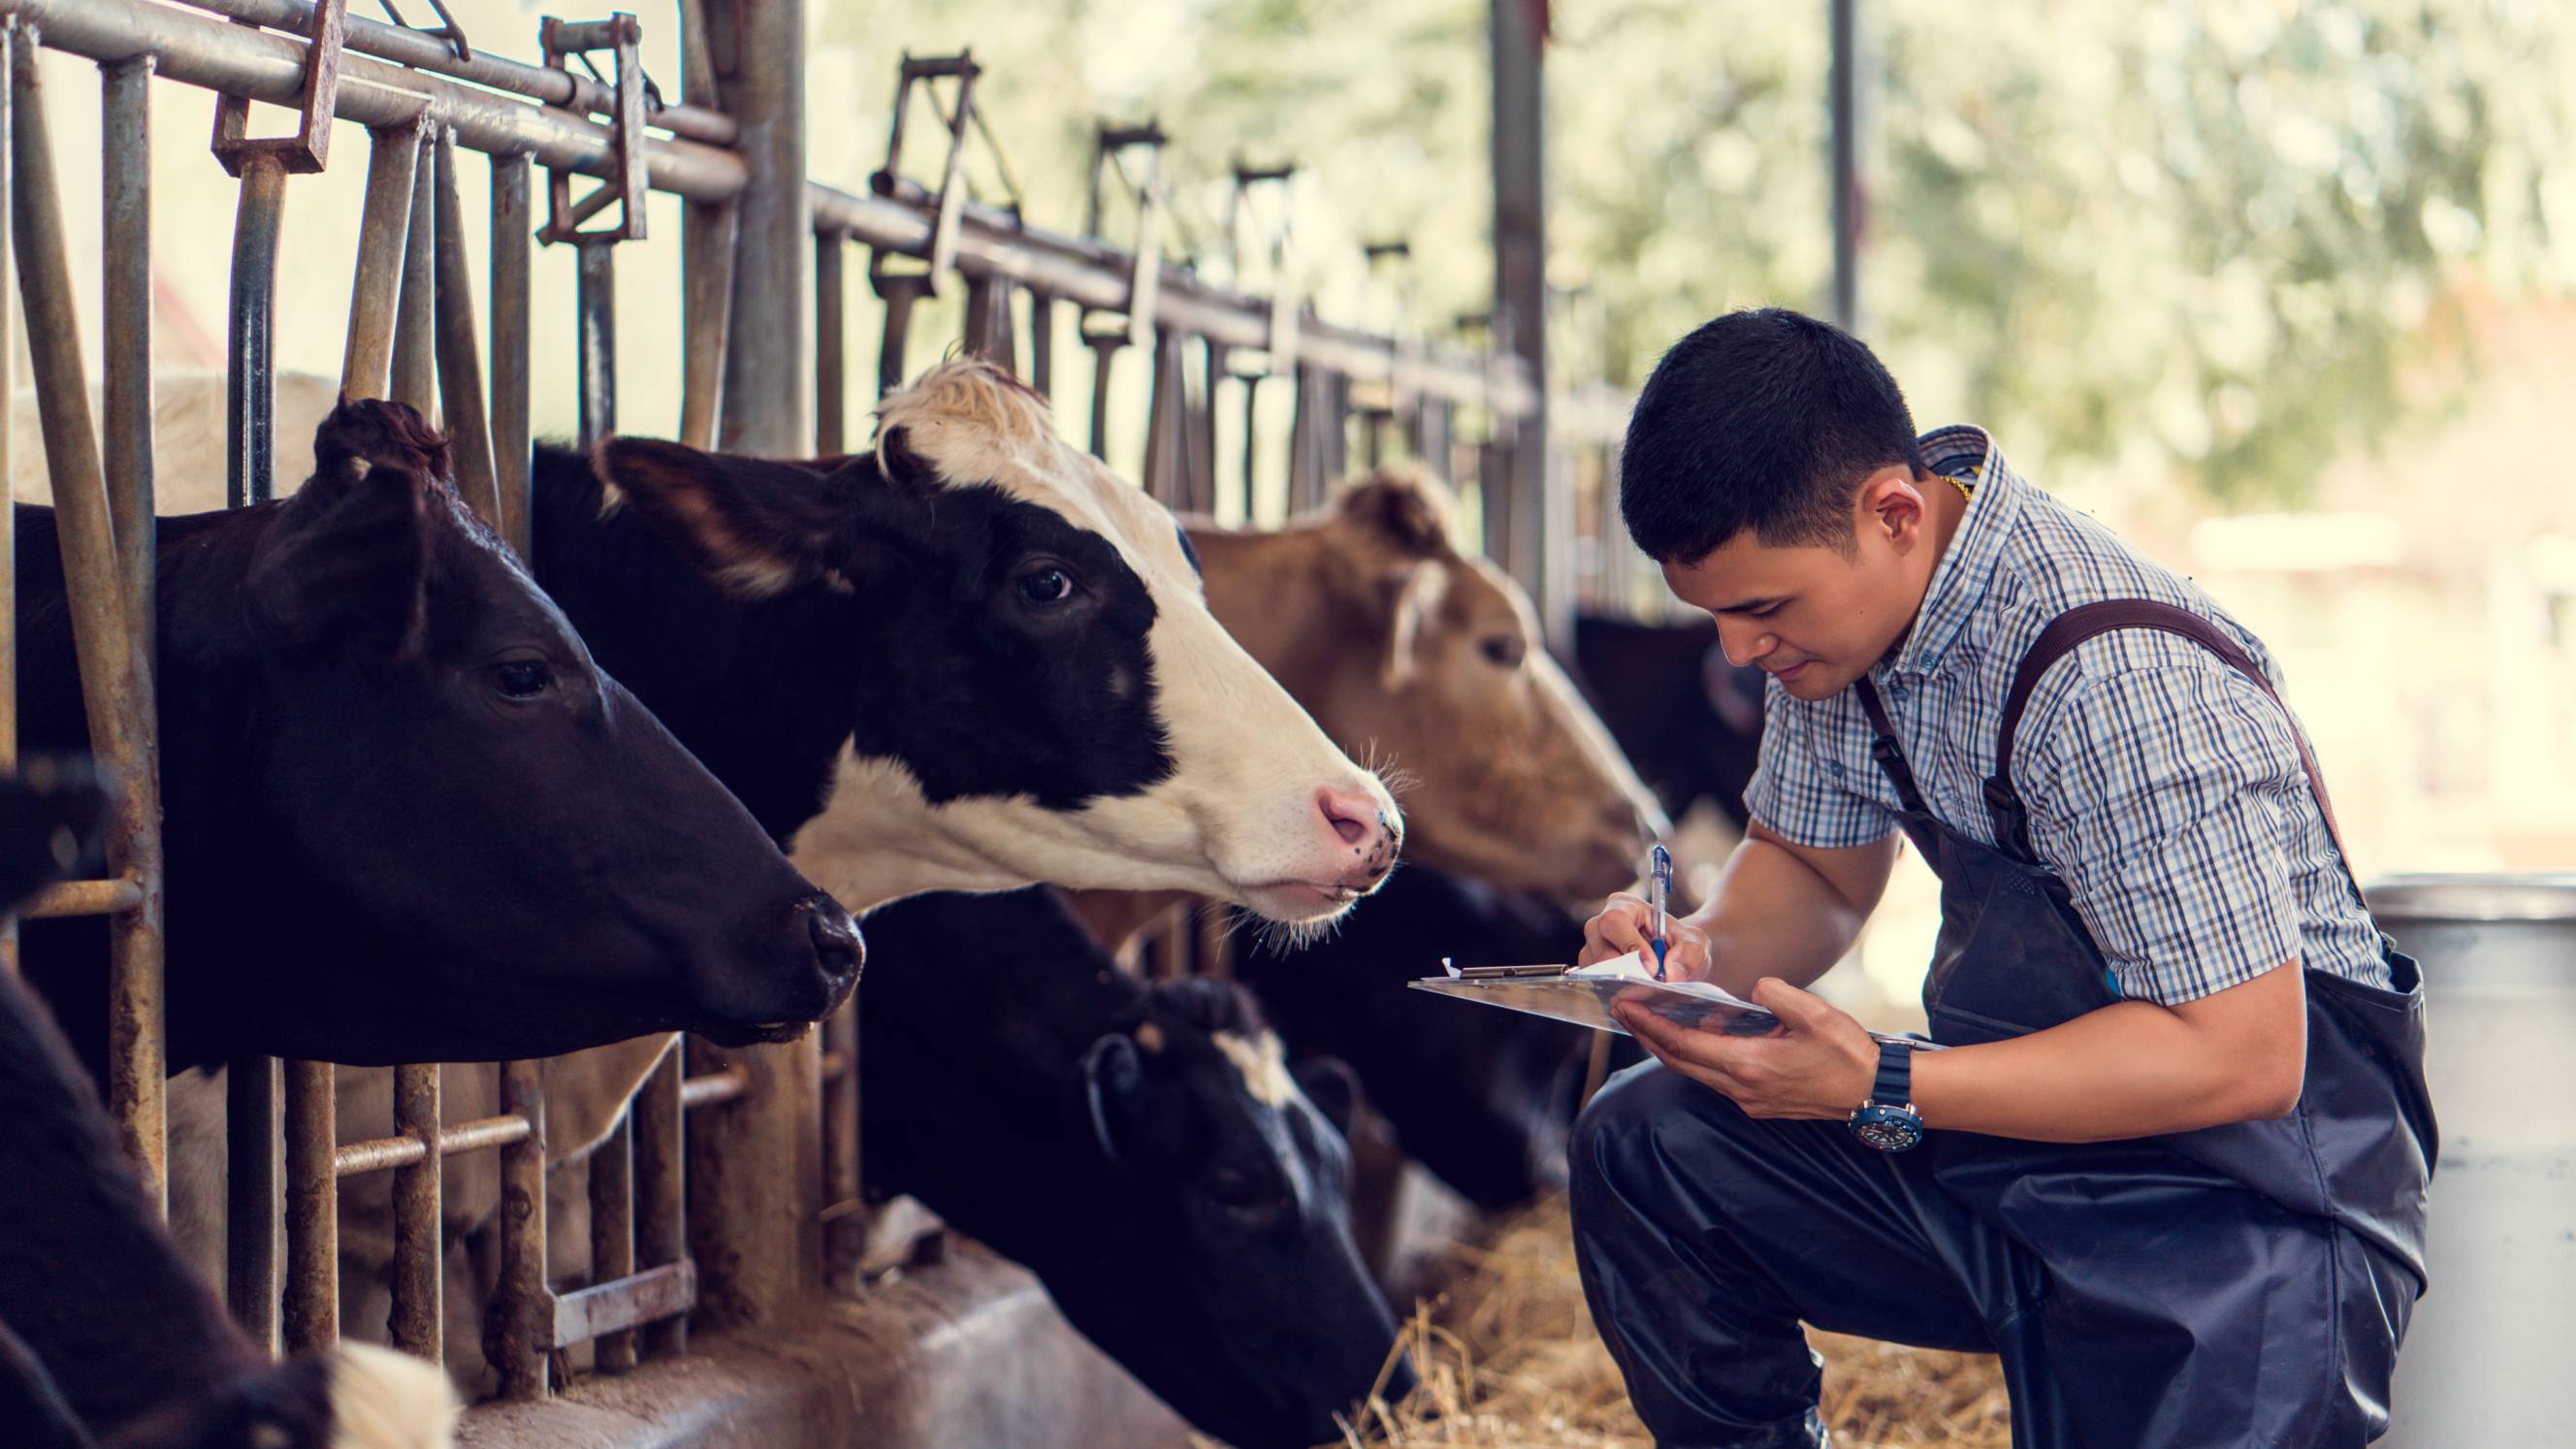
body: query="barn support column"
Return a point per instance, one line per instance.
(755, 1173)
(1536, 539)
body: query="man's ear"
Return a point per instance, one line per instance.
(757, 527)
(348, 559)
(1892, 501)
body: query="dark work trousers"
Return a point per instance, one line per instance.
(2241, 1285)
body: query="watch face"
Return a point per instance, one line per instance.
(1888, 1129)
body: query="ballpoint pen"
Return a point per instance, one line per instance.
(1659, 886)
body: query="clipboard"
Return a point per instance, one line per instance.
(1583, 996)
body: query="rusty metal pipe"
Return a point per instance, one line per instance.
(250, 384)
(312, 1210)
(521, 1325)
(844, 1240)
(125, 264)
(375, 1154)
(831, 342)
(460, 363)
(707, 1090)
(612, 1232)
(425, 52)
(512, 245)
(661, 1219)
(595, 299)
(251, 1165)
(218, 55)
(9, 41)
(393, 155)
(415, 363)
(706, 316)
(83, 898)
(419, 1241)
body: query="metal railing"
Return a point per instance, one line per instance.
(722, 1217)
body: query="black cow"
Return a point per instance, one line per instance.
(1480, 1097)
(106, 1335)
(406, 817)
(1687, 719)
(1143, 1149)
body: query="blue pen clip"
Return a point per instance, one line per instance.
(1659, 888)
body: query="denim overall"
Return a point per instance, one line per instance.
(2240, 1285)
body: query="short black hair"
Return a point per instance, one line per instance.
(1763, 419)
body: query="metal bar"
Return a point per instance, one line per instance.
(419, 1243)
(125, 264)
(423, 51)
(831, 343)
(366, 363)
(1042, 344)
(83, 898)
(1842, 83)
(312, 1210)
(767, 391)
(661, 1217)
(595, 300)
(415, 366)
(1095, 276)
(460, 362)
(1537, 551)
(1167, 454)
(251, 1093)
(115, 671)
(612, 1236)
(516, 1336)
(512, 244)
(706, 316)
(1104, 356)
(10, 40)
(711, 1088)
(606, 1313)
(844, 1240)
(264, 66)
(309, 149)
(249, 378)
(375, 1154)
(988, 321)
(899, 291)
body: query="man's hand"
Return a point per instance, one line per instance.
(1818, 1066)
(1624, 925)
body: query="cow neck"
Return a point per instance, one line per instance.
(878, 844)
(763, 693)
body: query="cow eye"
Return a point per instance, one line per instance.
(522, 678)
(1046, 587)
(1506, 650)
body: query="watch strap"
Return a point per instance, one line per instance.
(1894, 1086)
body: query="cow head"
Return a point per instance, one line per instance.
(494, 850)
(1254, 1315)
(1423, 658)
(1041, 692)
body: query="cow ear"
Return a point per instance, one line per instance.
(1406, 513)
(1408, 597)
(1333, 1087)
(1113, 1078)
(757, 527)
(348, 558)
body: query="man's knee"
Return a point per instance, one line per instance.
(1646, 1115)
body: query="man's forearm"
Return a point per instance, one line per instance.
(1775, 915)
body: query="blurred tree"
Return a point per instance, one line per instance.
(2215, 238)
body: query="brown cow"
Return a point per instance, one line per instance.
(1429, 663)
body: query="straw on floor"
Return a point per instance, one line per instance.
(1509, 1361)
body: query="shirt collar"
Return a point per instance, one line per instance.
(1959, 581)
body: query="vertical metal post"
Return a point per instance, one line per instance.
(251, 1094)
(989, 330)
(250, 384)
(521, 1325)
(366, 364)
(419, 1318)
(1042, 345)
(114, 670)
(898, 290)
(844, 1239)
(460, 361)
(415, 366)
(1844, 84)
(661, 1220)
(312, 1210)
(1520, 297)
(612, 1232)
(706, 317)
(831, 342)
(1104, 345)
(9, 42)
(596, 298)
(1167, 443)
(512, 242)
(757, 1171)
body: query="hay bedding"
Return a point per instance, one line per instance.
(1509, 1361)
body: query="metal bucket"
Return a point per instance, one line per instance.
(2485, 1358)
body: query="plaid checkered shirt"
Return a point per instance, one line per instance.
(2164, 788)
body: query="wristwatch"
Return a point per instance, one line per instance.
(1887, 1121)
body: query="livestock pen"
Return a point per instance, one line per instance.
(726, 1198)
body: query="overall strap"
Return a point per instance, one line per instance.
(1883, 748)
(2083, 622)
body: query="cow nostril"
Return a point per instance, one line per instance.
(838, 948)
(1348, 818)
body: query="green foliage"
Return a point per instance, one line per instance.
(2215, 238)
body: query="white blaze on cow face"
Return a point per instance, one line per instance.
(1259, 806)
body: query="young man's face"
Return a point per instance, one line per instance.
(1813, 616)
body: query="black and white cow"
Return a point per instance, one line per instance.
(107, 1338)
(406, 817)
(1145, 1150)
(1687, 719)
(1481, 1098)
